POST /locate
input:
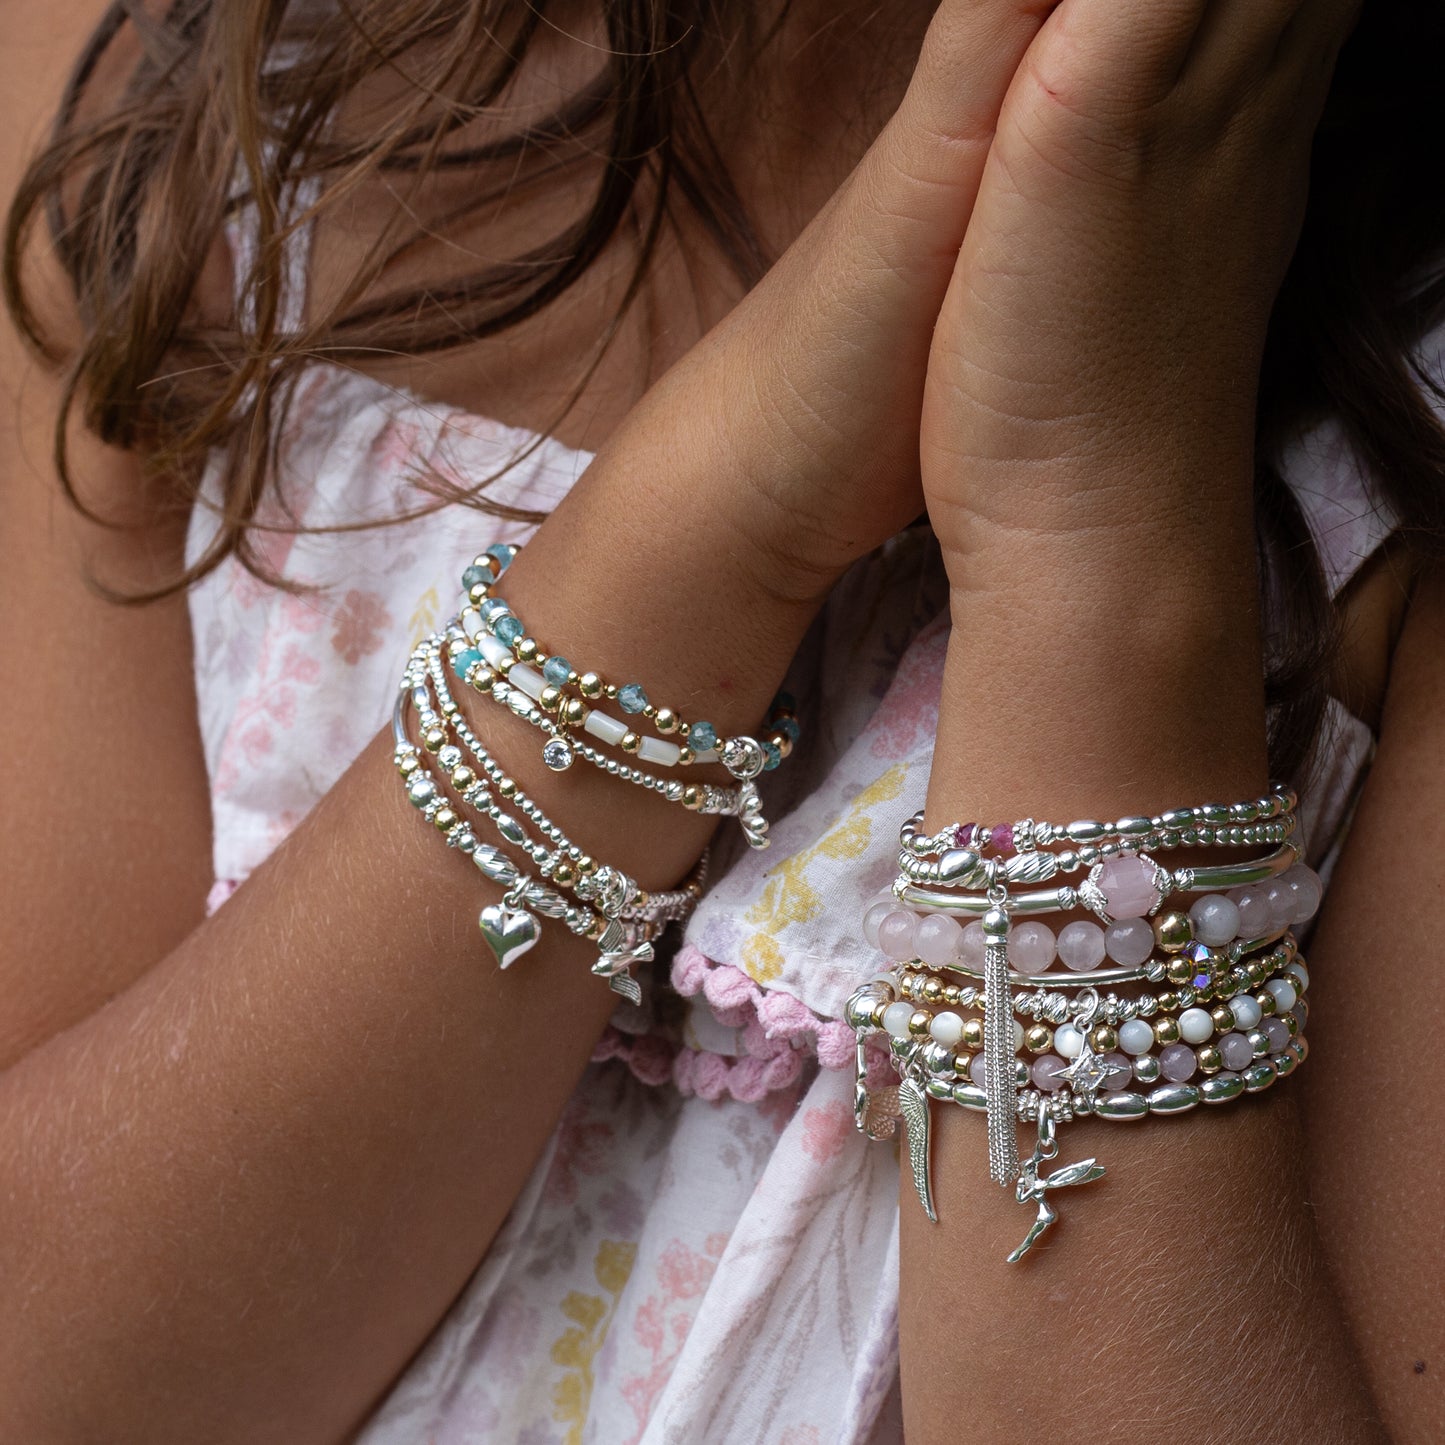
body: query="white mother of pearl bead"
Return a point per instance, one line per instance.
(1136, 1037)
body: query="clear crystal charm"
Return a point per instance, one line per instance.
(558, 755)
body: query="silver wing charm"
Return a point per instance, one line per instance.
(913, 1105)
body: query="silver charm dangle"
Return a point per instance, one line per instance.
(1030, 1189)
(508, 931)
(1000, 1083)
(913, 1105)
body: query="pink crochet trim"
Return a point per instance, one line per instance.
(777, 1032)
(221, 890)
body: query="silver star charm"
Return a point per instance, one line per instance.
(1087, 1071)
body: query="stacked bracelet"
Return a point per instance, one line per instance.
(1231, 1015)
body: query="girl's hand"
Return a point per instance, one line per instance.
(1096, 360)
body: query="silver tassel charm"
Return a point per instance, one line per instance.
(1000, 1085)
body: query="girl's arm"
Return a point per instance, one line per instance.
(246, 1164)
(1088, 456)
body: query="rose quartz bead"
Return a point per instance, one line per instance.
(1254, 911)
(1236, 1051)
(1280, 897)
(937, 938)
(1081, 946)
(1308, 891)
(895, 934)
(1121, 1071)
(1031, 946)
(1045, 1072)
(1127, 884)
(1177, 1063)
(874, 915)
(1215, 920)
(1276, 1033)
(1129, 942)
(973, 945)
(978, 1071)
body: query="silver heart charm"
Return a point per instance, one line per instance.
(509, 932)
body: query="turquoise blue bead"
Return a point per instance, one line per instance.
(557, 670)
(772, 757)
(475, 576)
(463, 662)
(503, 552)
(788, 726)
(492, 607)
(631, 698)
(702, 737)
(507, 628)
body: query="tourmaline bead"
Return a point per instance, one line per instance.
(1129, 942)
(475, 576)
(1121, 1071)
(874, 914)
(1081, 946)
(1177, 1063)
(963, 835)
(557, 670)
(1276, 1033)
(973, 945)
(895, 934)
(632, 699)
(1001, 838)
(1308, 891)
(1031, 946)
(896, 1017)
(1127, 883)
(1215, 920)
(1236, 1051)
(1045, 1073)
(1195, 1026)
(1254, 911)
(1285, 994)
(946, 1028)
(464, 661)
(772, 756)
(1136, 1036)
(937, 937)
(1247, 1013)
(507, 628)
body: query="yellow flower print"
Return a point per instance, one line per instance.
(788, 897)
(424, 615)
(576, 1348)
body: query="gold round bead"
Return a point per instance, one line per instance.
(783, 743)
(1104, 1039)
(630, 742)
(1223, 1017)
(408, 765)
(961, 1064)
(462, 777)
(434, 738)
(589, 685)
(444, 818)
(692, 796)
(610, 691)
(1178, 970)
(1168, 1001)
(952, 993)
(527, 649)
(1292, 1024)
(1038, 1038)
(685, 756)
(595, 929)
(933, 990)
(1255, 972)
(1166, 1031)
(1173, 931)
(574, 712)
(666, 720)
(586, 865)
(919, 1020)
(973, 1033)
(564, 874)
(507, 788)
(550, 698)
(477, 594)
(1211, 1061)
(1267, 1002)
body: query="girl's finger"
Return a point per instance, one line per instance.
(1132, 49)
(1238, 39)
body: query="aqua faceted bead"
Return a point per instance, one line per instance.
(772, 757)
(557, 670)
(463, 662)
(492, 609)
(475, 576)
(702, 737)
(507, 628)
(788, 726)
(631, 698)
(503, 552)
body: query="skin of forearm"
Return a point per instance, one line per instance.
(235, 1200)
(1093, 673)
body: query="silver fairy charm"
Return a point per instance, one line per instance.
(1030, 1189)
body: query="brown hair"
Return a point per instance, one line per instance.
(134, 192)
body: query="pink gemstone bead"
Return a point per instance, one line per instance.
(973, 945)
(1081, 946)
(977, 1071)
(1045, 1072)
(1129, 942)
(1001, 838)
(875, 914)
(1276, 1033)
(937, 938)
(1127, 884)
(963, 835)
(1177, 1063)
(1236, 1051)
(1254, 911)
(1280, 897)
(1121, 1071)
(1031, 946)
(1308, 891)
(895, 934)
